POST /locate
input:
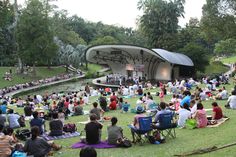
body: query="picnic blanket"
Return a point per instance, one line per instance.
(101, 145)
(219, 122)
(66, 135)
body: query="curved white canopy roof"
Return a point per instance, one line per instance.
(174, 58)
(103, 53)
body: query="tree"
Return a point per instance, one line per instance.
(34, 35)
(226, 47)
(218, 21)
(6, 33)
(104, 40)
(198, 54)
(160, 21)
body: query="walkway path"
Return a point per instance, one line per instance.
(231, 69)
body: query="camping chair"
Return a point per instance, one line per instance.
(144, 129)
(166, 125)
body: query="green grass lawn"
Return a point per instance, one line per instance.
(229, 60)
(215, 68)
(41, 72)
(187, 140)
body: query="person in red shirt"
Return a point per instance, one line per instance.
(113, 97)
(217, 111)
(113, 105)
(66, 103)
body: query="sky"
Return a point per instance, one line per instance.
(119, 12)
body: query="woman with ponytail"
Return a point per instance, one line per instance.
(37, 146)
(114, 132)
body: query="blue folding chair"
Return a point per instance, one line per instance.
(139, 135)
(166, 125)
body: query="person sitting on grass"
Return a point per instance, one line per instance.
(114, 132)
(231, 103)
(78, 110)
(125, 107)
(201, 116)
(93, 130)
(2, 119)
(39, 122)
(13, 119)
(113, 104)
(217, 111)
(88, 152)
(55, 126)
(37, 146)
(5, 144)
(97, 111)
(184, 114)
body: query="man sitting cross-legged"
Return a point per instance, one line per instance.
(93, 130)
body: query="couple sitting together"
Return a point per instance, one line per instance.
(93, 131)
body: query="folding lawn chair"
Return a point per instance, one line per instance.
(141, 134)
(166, 125)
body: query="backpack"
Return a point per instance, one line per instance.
(126, 143)
(23, 134)
(70, 127)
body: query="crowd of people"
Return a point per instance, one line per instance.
(187, 102)
(16, 87)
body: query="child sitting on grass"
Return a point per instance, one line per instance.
(125, 107)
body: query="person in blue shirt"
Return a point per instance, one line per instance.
(3, 107)
(186, 99)
(125, 107)
(39, 122)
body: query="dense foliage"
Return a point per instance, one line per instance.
(45, 36)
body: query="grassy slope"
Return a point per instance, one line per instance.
(41, 72)
(229, 60)
(215, 68)
(186, 140)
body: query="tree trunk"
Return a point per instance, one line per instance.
(49, 67)
(34, 70)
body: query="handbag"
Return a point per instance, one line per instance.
(191, 123)
(126, 143)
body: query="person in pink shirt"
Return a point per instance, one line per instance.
(201, 116)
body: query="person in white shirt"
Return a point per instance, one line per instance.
(232, 101)
(184, 114)
(224, 94)
(202, 95)
(139, 102)
(193, 107)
